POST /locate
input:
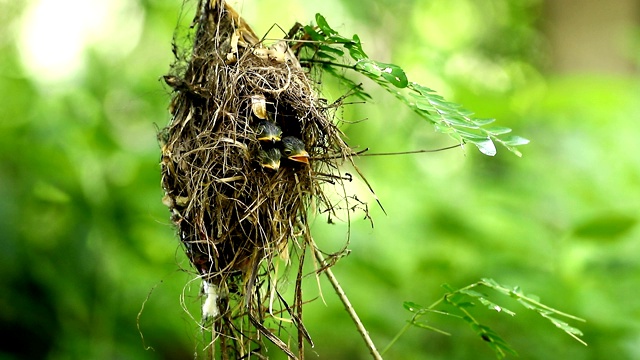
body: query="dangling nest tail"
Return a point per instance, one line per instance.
(237, 211)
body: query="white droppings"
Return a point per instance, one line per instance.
(210, 306)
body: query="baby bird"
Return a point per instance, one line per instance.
(293, 149)
(269, 158)
(268, 132)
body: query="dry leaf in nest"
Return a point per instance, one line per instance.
(240, 165)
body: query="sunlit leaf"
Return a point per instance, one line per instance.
(515, 140)
(459, 121)
(497, 130)
(486, 147)
(439, 102)
(482, 122)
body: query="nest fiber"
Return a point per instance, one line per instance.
(243, 159)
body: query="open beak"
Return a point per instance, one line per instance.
(303, 157)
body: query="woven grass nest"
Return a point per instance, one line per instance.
(240, 215)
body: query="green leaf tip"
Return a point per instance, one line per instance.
(324, 25)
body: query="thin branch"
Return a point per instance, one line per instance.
(312, 61)
(363, 152)
(412, 151)
(347, 304)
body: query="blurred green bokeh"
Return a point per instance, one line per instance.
(86, 241)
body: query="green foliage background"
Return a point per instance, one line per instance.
(85, 239)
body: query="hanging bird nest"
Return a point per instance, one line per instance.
(243, 159)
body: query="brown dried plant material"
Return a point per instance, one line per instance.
(238, 215)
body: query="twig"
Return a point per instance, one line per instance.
(347, 304)
(362, 152)
(146, 347)
(410, 152)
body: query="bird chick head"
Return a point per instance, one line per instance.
(293, 149)
(269, 158)
(267, 131)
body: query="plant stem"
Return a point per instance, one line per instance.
(311, 61)
(398, 335)
(347, 304)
